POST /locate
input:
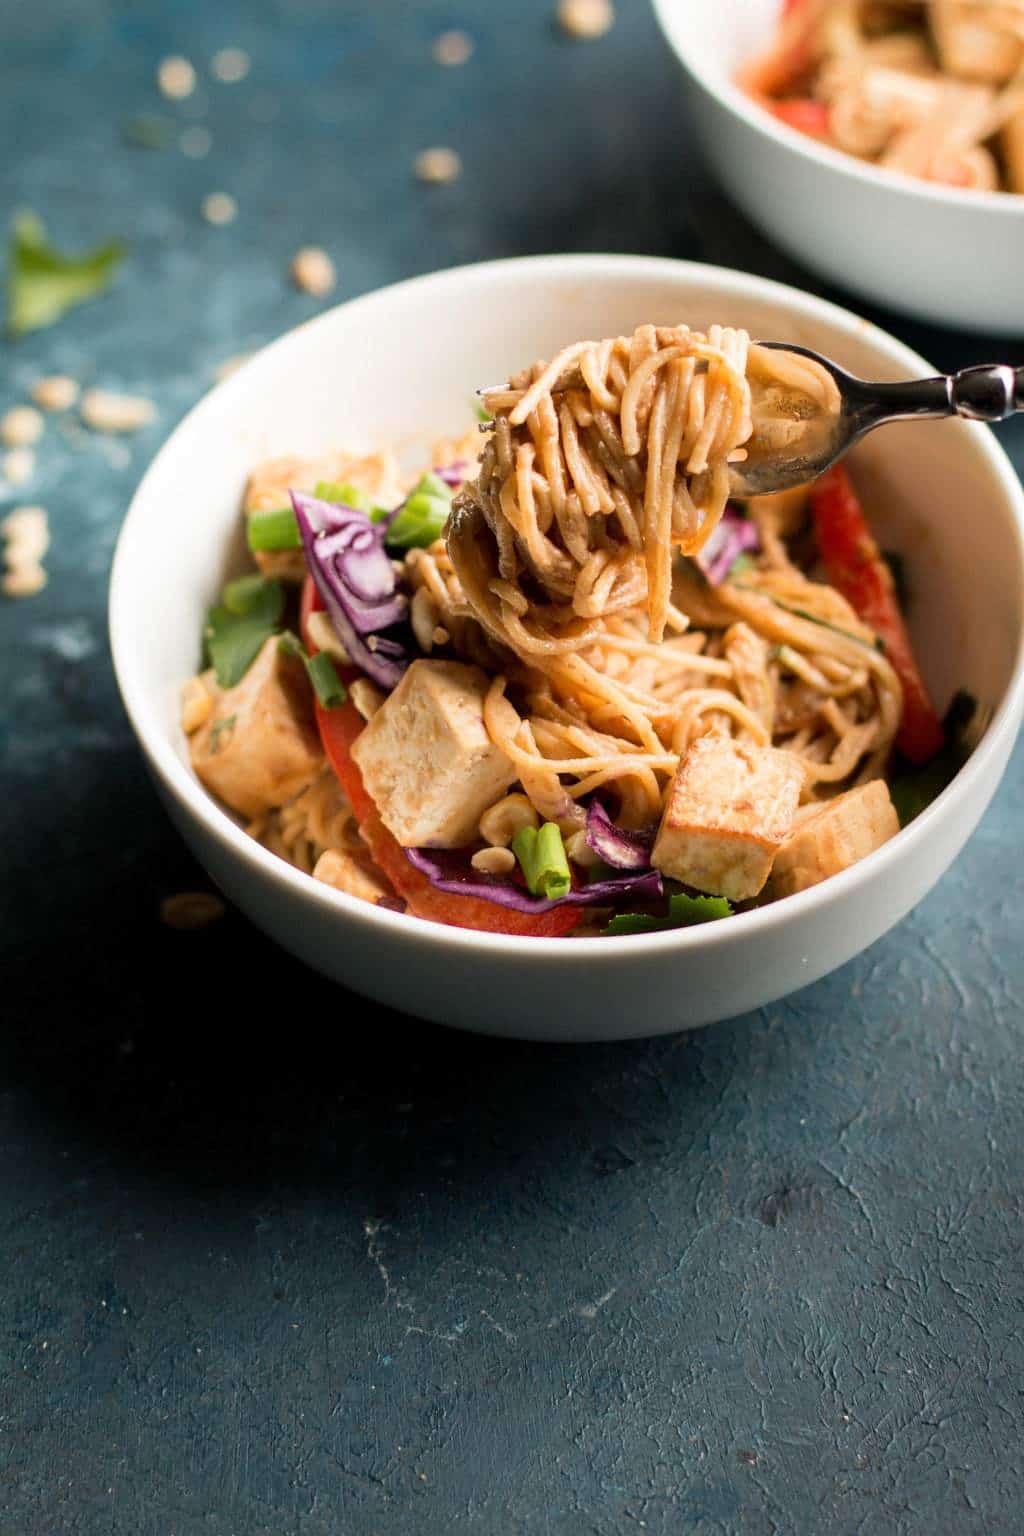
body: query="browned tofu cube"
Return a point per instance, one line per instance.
(844, 831)
(270, 483)
(260, 745)
(427, 760)
(729, 810)
(354, 874)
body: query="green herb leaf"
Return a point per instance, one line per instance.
(422, 516)
(481, 412)
(542, 858)
(913, 789)
(42, 284)
(237, 627)
(683, 912)
(276, 529)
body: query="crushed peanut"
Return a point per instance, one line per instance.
(26, 535)
(441, 635)
(176, 78)
(453, 48)
(229, 65)
(219, 208)
(21, 427)
(313, 271)
(366, 698)
(494, 861)
(423, 617)
(56, 393)
(586, 18)
(580, 851)
(24, 580)
(324, 636)
(104, 411)
(189, 910)
(18, 466)
(197, 702)
(437, 165)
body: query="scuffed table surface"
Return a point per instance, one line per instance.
(275, 1263)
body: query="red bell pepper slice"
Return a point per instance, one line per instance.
(858, 570)
(339, 728)
(804, 114)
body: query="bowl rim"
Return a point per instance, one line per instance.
(671, 15)
(159, 750)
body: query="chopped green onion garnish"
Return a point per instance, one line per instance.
(323, 674)
(481, 412)
(329, 688)
(542, 858)
(346, 495)
(276, 529)
(422, 516)
(683, 912)
(237, 627)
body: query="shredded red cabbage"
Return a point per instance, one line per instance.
(622, 850)
(453, 474)
(451, 871)
(346, 558)
(735, 535)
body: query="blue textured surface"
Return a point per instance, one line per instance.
(274, 1263)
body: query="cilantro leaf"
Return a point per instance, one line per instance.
(237, 627)
(683, 912)
(42, 284)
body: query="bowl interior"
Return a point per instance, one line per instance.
(717, 38)
(400, 368)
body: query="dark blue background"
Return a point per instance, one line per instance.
(275, 1262)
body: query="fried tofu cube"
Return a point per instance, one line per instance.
(352, 874)
(271, 481)
(427, 760)
(729, 810)
(260, 745)
(844, 831)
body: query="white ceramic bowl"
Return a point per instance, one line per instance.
(951, 256)
(399, 367)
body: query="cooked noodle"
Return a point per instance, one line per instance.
(557, 575)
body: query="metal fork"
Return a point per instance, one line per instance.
(990, 392)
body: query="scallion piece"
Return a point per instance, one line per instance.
(323, 674)
(276, 529)
(422, 516)
(327, 685)
(542, 858)
(344, 494)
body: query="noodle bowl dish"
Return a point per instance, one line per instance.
(904, 119)
(499, 704)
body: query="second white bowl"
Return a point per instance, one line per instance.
(954, 257)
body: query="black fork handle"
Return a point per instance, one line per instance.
(990, 392)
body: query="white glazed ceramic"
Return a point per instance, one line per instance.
(399, 367)
(955, 257)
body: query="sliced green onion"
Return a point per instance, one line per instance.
(276, 529)
(345, 493)
(481, 412)
(683, 912)
(323, 674)
(422, 516)
(542, 858)
(327, 685)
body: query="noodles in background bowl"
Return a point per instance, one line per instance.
(934, 89)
